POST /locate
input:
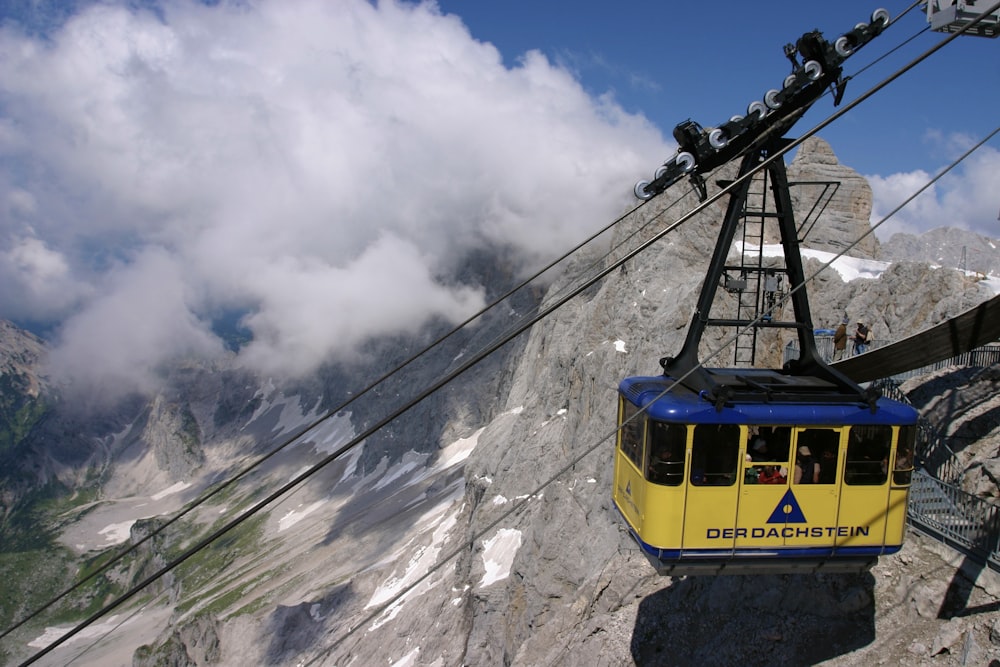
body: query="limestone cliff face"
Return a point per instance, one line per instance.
(21, 357)
(946, 246)
(22, 403)
(21, 383)
(173, 433)
(847, 212)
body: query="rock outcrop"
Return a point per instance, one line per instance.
(945, 246)
(845, 201)
(174, 435)
(21, 384)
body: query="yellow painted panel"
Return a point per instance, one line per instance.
(711, 517)
(862, 515)
(895, 523)
(757, 503)
(664, 516)
(629, 493)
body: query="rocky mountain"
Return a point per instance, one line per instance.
(478, 527)
(946, 246)
(829, 200)
(21, 383)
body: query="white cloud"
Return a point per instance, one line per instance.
(142, 316)
(308, 307)
(36, 280)
(321, 164)
(966, 197)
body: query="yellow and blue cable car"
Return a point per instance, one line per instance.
(758, 486)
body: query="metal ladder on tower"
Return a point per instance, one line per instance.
(758, 284)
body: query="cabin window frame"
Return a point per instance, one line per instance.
(812, 437)
(866, 463)
(770, 467)
(632, 432)
(665, 436)
(903, 459)
(709, 458)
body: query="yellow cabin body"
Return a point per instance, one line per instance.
(753, 489)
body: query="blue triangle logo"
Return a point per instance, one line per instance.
(787, 511)
(628, 488)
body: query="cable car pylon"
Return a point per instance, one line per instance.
(813, 376)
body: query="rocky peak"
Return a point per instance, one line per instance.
(848, 208)
(21, 384)
(21, 353)
(173, 433)
(946, 246)
(815, 151)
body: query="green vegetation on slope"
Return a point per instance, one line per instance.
(19, 411)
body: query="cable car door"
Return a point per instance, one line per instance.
(712, 488)
(629, 490)
(865, 502)
(812, 505)
(765, 486)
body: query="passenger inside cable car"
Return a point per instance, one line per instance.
(768, 452)
(666, 465)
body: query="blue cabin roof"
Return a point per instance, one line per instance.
(680, 404)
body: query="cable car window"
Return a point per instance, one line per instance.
(902, 470)
(769, 444)
(816, 447)
(868, 455)
(630, 434)
(666, 446)
(828, 459)
(715, 453)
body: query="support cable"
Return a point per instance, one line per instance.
(311, 425)
(334, 411)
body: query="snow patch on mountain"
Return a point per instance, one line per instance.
(498, 555)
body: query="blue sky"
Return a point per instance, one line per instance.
(321, 167)
(671, 61)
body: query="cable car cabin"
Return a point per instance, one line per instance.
(756, 486)
(952, 15)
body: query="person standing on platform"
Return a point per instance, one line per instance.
(861, 339)
(840, 341)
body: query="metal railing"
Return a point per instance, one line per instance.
(824, 346)
(959, 519)
(981, 357)
(937, 505)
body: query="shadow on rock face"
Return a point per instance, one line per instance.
(755, 620)
(300, 628)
